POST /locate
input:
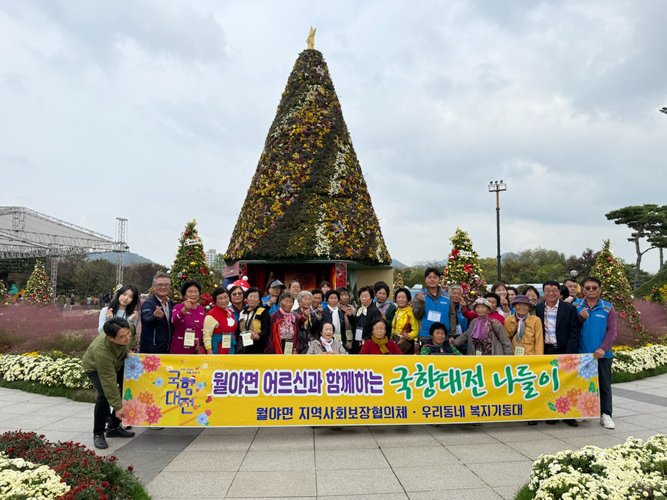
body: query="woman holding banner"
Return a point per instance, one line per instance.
(485, 336)
(379, 342)
(220, 325)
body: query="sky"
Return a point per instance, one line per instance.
(157, 111)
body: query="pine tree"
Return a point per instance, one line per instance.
(190, 262)
(463, 267)
(38, 289)
(616, 290)
(308, 198)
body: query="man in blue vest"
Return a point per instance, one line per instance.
(598, 331)
(432, 306)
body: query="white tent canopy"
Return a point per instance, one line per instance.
(27, 233)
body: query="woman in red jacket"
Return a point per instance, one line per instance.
(379, 342)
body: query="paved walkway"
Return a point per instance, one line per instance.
(488, 461)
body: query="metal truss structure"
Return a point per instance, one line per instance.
(26, 233)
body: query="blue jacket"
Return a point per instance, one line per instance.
(155, 332)
(438, 305)
(274, 307)
(594, 329)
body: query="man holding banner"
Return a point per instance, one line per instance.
(598, 332)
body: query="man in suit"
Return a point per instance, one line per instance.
(156, 326)
(560, 325)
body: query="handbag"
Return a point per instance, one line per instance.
(406, 346)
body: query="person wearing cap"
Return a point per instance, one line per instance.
(274, 290)
(524, 329)
(485, 336)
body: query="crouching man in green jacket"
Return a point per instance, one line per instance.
(103, 362)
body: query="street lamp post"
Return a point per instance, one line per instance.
(497, 187)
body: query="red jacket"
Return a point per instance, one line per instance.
(370, 347)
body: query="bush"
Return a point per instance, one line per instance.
(89, 476)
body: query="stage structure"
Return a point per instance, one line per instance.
(308, 213)
(28, 234)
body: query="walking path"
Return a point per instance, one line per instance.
(488, 461)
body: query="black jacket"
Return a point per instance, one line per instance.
(155, 332)
(567, 327)
(327, 315)
(364, 321)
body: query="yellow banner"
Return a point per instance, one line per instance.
(273, 390)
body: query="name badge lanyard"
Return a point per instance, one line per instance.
(248, 322)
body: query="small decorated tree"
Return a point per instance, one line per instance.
(399, 281)
(190, 263)
(38, 289)
(463, 267)
(616, 290)
(4, 296)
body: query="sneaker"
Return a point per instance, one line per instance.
(100, 442)
(119, 432)
(607, 422)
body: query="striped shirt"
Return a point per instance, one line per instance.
(550, 314)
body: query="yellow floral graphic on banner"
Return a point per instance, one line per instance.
(238, 390)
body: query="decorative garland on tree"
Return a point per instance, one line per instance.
(190, 262)
(38, 289)
(308, 198)
(616, 290)
(463, 267)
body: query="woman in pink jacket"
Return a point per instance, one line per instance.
(188, 320)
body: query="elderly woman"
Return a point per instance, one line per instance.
(404, 325)
(379, 342)
(350, 311)
(524, 330)
(326, 344)
(188, 320)
(485, 336)
(254, 324)
(220, 325)
(366, 314)
(386, 307)
(236, 295)
(458, 308)
(307, 319)
(438, 345)
(285, 333)
(335, 315)
(294, 289)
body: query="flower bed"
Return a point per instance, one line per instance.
(86, 475)
(22, 479)
(51, 371)
(629, 471)
(629, 360)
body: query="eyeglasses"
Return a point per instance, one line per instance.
(591, 288)
(162, 285)
(237, 294)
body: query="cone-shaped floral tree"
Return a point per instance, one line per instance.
(463, 267)
(190, 262)
(38, 289)
(308, 198)
(4, 297)
(616, 290)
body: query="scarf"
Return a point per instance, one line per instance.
(520, 327)
(335, 319)
(479, 330)
(362, 310)
(381, 343)
(326, 344)
(288, 317)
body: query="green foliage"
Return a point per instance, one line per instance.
(141, 275)
(308, 198)
(38, 289)
(534, 266)
(524, 493)
(619, 377)
(657, 281)
(60, 391)
(616, 290)
(190, 262)
(94, 278)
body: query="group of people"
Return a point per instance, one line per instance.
(290, 320)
